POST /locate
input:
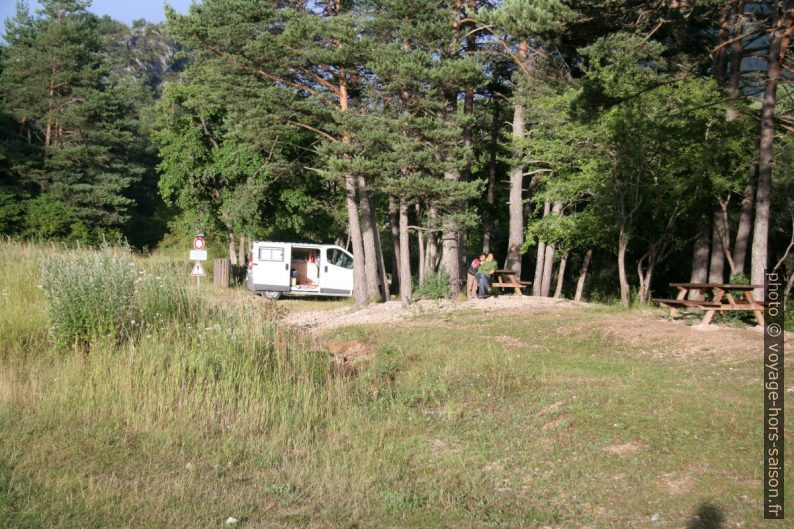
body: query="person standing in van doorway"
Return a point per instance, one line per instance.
(471, 279)
(313, 270)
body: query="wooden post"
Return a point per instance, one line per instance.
(220, 272)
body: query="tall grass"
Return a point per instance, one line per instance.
(23, 320)
(155, 354)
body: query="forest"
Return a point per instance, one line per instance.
(601, 148)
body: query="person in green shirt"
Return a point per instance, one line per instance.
(484, 273)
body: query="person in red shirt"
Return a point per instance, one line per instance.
(471, 280)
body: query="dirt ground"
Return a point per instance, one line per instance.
(646, 329)
(394, 312)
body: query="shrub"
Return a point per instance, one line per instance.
(385, 365)
(435, 286)
(88, 293)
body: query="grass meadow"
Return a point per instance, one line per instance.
(129, 398)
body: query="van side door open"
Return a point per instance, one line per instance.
(271, 267)
(336, 275)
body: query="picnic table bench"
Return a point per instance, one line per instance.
(714, 297)
(508, 279)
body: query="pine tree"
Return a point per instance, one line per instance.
(423, 136)
(57, 87)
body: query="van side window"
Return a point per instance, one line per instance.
(339, 258)
(271, 254)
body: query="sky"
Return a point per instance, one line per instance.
(123, 10)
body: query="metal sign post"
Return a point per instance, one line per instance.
(198, 254)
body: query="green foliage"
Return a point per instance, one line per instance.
(12, 211)
(77, 137)
(435, 286)
(48, 218)
(89, 294)
(385, 364)
(526, 19)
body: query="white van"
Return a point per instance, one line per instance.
(292, 268)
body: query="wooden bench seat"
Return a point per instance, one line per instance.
(686, 303)
(512, 285)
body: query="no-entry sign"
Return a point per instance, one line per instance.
(198, 243)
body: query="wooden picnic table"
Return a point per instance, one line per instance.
(714, 297)
(509, 279)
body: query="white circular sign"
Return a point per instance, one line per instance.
(198, 243)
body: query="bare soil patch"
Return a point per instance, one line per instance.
(624, 449)
(395, 312)
(654, 335)
(675, 484)
(645, 330)
(346, 355)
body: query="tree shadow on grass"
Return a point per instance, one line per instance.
(708, 516)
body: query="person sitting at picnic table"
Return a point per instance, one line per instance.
(484, 273)
(471, 279)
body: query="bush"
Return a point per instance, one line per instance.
(88, 293)
(435, 286)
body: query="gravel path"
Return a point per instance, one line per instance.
(394, 311)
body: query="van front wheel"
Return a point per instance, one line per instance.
(270, 294)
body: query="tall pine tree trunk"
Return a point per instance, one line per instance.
(743, 230)
(376, 283)
(623, 243)
(760, 250)
(548, 268)
(395, 242)
(354, 232)
(431, 255)
(717, 263)
(468, 135)
(384, 285)
(700, 256)
(353, 224)
(50, 109)
(420, 241)
(561, 275)
(368, 236)
(583, 275)
(241, 252)
(548, 257)
(540, 259)
(724, 232)
(405, 256)
(493, 149)
(230, 237)
(450, 256)
(735, 74)
(516, 205)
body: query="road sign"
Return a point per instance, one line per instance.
(198, 242)
(198, 255)
(198, 270)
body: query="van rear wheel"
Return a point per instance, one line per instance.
(270, 294)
